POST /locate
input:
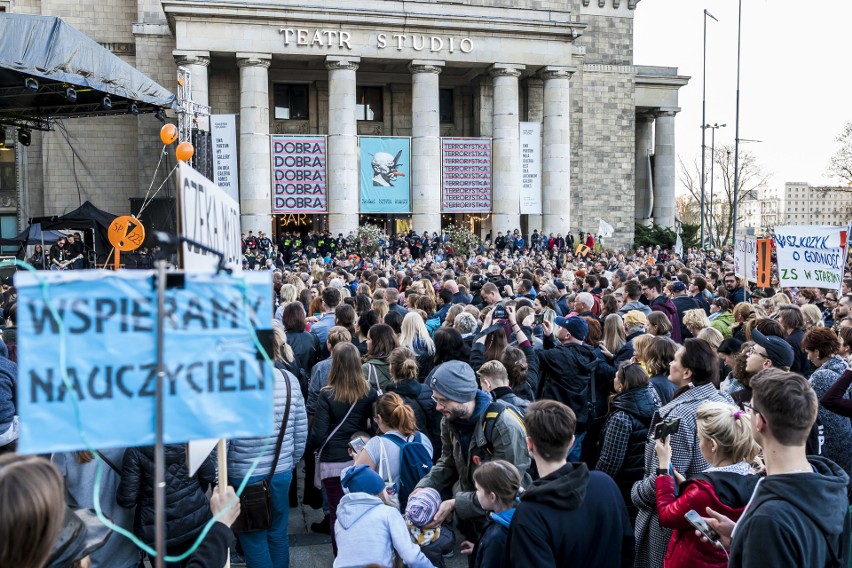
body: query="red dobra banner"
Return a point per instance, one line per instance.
(299, 174)
(466, 175)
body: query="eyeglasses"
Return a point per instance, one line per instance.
(748, 406)
(441, 401)
(754, 351)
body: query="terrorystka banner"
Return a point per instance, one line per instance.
(385, 174)
(89, 374)
(810, 255)
(466, 175)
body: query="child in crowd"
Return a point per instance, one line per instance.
(419, 513)
(357, 443)
(368, 531)
(497, 486)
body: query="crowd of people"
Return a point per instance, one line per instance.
(523, 405)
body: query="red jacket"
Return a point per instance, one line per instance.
(723, 491)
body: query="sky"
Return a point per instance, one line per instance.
(795, 80)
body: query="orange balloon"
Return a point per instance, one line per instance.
(168, 133)
(184, 151)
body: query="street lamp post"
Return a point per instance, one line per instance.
(714, 127)
(703, 123)
(737, 126)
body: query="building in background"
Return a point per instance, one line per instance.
(798, 203)
(546, 90)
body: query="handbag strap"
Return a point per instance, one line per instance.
(383, 458)
(371, 372)
(111, 465)
(336, 428)
(280, 441)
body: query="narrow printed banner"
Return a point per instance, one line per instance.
(466, 175)
(299, 174)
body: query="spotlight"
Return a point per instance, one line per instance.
(106, 102)
(160, 115)
(71, 95)
(24, 136)
(31, 84)
(134, 109)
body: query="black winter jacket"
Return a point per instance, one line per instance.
(328, 414)
(566, 376)
(509, 397)
(638, 406)
(187, 508)
(306, 350)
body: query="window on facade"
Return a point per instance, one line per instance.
(368, 105)
(291, 102)
(446, 106)
(8, 229)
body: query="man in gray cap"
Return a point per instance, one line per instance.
(474, 430)
(768, 351)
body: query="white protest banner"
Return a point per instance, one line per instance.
(739, 256)
(530, 146)
(223, 130)
(810, 255)
(209, 216)
(87, 370)
(751, 259)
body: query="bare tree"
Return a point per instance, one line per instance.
(752, 179)
(840, 165)
(687, 209)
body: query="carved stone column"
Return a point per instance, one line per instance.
(556, 150)
(506, 205)
(425, 146)
(255, 172)
(343, 196)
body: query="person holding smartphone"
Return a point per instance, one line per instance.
(726, 441)
(695, 373)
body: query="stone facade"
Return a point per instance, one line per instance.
(568, 65)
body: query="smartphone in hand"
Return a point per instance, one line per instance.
(701, 526)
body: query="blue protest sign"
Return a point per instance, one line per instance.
(216, 384)
(385, 173)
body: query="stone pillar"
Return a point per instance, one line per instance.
(556, 151)
(255, 167)
(644, 147)
(343, 197)
(425, 146)
(197, 62)
(506, 177)
(664, 169)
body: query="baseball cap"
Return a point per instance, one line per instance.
(678, 286)
(778, 350)
(576, 326)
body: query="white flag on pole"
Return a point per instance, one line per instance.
(605, 229)
(678, 246)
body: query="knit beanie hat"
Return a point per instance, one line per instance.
(454, 380)
(421, 508)
(362, 479)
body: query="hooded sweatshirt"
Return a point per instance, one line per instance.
(566, 376)
(571, 517)
(793, 519)
(368, 532)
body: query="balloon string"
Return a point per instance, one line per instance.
(153, 179)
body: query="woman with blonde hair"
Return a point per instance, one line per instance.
(416, 337)
(812, 316)
(712, 336)
(658, 356)
(695, 321)
(640, 349)
(381, 308)
(343, 408)
(726, 440)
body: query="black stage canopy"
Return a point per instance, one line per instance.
(49, 70)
